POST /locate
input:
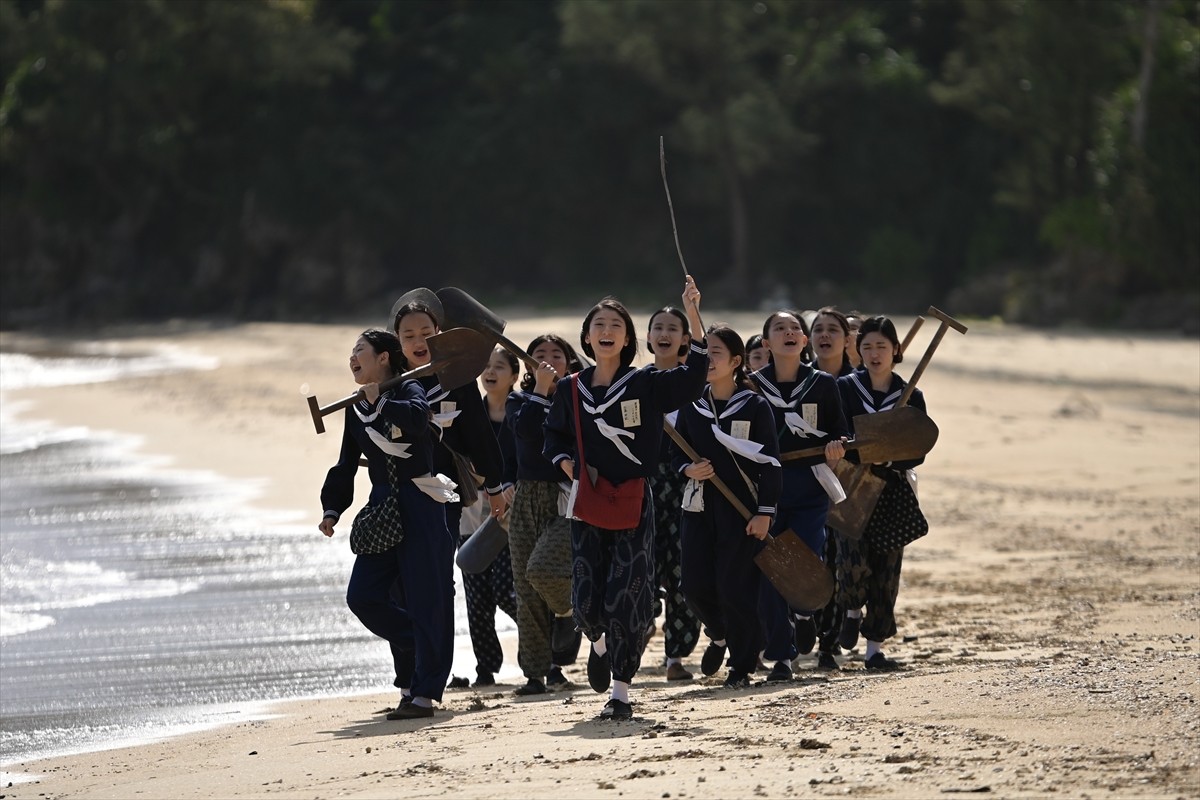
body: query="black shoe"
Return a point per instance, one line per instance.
(678, 672)
(599, 672)
(483, 679)
(534, 686)
(881, 663)
(555, 680)
(849, 634)
(714, 656)
(615, 709)
(806, 635)
(737, 680)
(562, 634)
(780, 672)
(458, 683)
(410, 710)
(405, 699)
(826, 661)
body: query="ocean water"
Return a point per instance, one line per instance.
(138, 600)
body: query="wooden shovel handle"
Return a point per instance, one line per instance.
(947, 322)
(912, 333)
(688, 451)
(817, 450)
(318, 411)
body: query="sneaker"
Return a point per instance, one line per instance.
(849, 633)
(615, 709)
(806, 635)
(534, 686)
(555, 679)
(826, 661)
(405, 699)
(737, 680)
(881, 663)
(562, 634)
(458, 683)
(714, 656)
(782, 671)
(598, 671)
(677, 672)
(410, 710)
(483, 679)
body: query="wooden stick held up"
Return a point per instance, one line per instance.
(662, 165)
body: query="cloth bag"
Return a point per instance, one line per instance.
(378, 528)
(897, 520)
(481, 548)
(599, 501)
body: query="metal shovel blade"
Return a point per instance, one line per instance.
(795, 571)
(464, 311)
(898, 434)
(422, 296)
(458, 356)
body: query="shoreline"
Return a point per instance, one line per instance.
(1049, 624)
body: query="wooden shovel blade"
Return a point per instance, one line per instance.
(898, 434)
(458, 356)
(464, 311)
(795, 571)
(863, 487)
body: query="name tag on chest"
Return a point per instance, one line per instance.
(740, 429)
(397, 434)
(809, 412)
(447, 406)
(631, 413)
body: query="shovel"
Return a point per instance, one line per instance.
(862, 486)
(898, 434)
(425, 297)
(464, 311)
(792, 567)
(458, 356)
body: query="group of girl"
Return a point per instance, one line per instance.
(603, 514)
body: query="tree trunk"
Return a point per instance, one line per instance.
(1146, 74)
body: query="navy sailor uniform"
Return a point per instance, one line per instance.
(720, 579)
(866, 577)
(808, 412)
(621, 425)
(404, 595)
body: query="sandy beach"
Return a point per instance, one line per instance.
(1049, 623)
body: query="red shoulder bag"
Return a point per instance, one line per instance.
(598, 501)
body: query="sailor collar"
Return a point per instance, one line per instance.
(867, 394)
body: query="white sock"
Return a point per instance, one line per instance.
(803, 616)
(423, 702)
(620, 691)
(873, 648)
(854, 613)
(719, 642)
(601, 645)
(672, 661)
(406, 692)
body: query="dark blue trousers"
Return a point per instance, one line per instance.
(803, 507)
(406, 595)
(720, 579)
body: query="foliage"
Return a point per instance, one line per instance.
(301, 158)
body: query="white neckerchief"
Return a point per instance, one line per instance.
(742, 447)
(397, 449)
(613, 434)
(869, 399)
(796, 424)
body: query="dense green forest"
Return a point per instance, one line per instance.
(298, 159)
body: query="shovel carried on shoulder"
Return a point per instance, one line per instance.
(457, 357)
(464, 311)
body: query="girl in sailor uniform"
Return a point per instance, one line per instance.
(866, 575)
(536, 525)
(620, 420)
(830, 340)
(732, 428)
(667, 339)
(808, 412)
(492, 589)
(404, 593)
(463, 429)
